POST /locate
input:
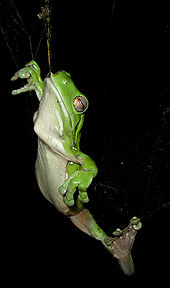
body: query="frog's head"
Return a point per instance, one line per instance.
(70, 105)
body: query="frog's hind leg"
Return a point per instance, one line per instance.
(119, 246)
(86, 223)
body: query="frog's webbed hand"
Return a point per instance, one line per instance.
(80, 181)
(31, 72)
(121, 245)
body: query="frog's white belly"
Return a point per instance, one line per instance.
(51, 174)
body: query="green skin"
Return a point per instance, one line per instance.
(81, 169)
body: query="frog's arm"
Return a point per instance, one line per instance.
(80, 179)
(32, 73)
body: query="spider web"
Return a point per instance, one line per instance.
(22, 31)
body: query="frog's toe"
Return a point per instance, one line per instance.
(136, 223)
(83, 197)
(69, 196)
(68, 202)
(62, 190)
(15, 77)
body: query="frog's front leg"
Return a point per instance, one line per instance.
(31, 72)
(78, 180)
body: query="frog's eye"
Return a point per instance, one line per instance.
(80, 104)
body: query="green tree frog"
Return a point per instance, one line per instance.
(61, 168)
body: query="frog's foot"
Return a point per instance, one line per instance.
(31, 72)
(121, 245)
(75, 183)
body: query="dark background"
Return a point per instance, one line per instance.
(120, 59)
